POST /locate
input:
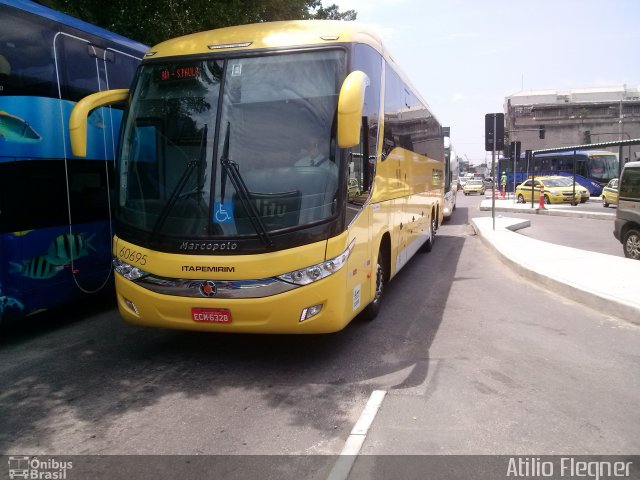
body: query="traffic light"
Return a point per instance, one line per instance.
(587, 136)
(541, 132)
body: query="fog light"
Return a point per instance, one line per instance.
(309, 312)
(131, 305)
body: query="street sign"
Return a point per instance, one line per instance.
(494, 131)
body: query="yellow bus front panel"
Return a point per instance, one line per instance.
(279, 313)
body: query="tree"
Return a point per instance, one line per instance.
(153, 21)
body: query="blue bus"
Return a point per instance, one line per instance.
(55, 228)
(593, 168)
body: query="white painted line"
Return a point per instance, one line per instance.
(369, 413)
(357, 437)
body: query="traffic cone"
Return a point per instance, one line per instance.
(541, 200)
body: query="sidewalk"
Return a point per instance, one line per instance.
(573, 273)
(561, 210)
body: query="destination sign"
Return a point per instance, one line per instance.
(174, 72)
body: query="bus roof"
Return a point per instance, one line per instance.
(565, 153)
(578, 152)
(42, 11)
(269, 35)
(277, 35)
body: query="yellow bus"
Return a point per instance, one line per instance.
(271, 178)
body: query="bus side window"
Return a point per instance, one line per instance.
(392, 111)
(79, 76)
(43, 203)
(88, 190)
(369, 61)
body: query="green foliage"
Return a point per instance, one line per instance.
(583, 112)
(153, 21)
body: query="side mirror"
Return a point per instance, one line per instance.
(350, 105)
(78, 119)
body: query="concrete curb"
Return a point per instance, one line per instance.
(567, 271)
(552, 211)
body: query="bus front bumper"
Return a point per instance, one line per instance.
(280, 313)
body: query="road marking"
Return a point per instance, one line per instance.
(357, 437)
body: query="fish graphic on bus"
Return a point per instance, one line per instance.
(9, 302)
(21, 233)
(70, 246)
(16, 129)
(61, 252)
(37, 268)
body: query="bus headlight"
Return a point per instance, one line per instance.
(130, 272)
(311, 274)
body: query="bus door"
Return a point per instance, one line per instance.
(582, 168)
(360, 174)
(85, 245)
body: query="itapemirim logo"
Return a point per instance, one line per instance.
(38, 469)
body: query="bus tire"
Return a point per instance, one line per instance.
(371, 311)
(431, 235)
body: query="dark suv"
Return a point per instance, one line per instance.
(627, 225)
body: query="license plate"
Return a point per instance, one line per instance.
(211, 315)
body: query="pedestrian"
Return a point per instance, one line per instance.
(503, 183)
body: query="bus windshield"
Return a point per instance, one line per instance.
(604, 167)
(231, 147)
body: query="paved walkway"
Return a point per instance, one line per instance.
(604, 282)
(561, 210)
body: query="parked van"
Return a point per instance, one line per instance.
(627, 224)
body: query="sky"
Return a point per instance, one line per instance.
(466, 56)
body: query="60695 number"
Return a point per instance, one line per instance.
(132, 256)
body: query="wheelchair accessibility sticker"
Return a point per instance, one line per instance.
(223, 212)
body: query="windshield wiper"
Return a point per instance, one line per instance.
(182, 181)
(231, 170)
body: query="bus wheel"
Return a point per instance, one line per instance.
(371, 311)
(520, 198)
(428, 245)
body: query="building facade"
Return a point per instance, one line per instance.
(551, 118)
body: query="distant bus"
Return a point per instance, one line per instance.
(272, 178)
(55, 233)
(451, 173)
(593, 168)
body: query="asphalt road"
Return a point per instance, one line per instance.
(474, 359)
